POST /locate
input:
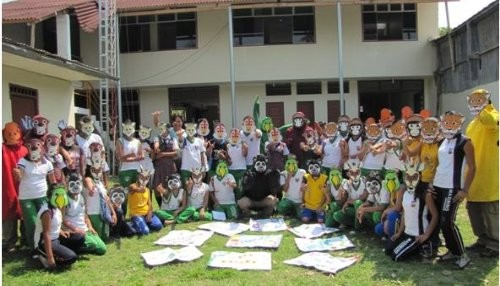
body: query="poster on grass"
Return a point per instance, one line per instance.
(312, 230)
(241, 261)
(322, 261)
(166, 255)
(225, 228)
(263, 241)
(268, 225)
(326, 244)
(185, 237)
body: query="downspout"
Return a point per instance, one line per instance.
(231, 64)
(450, 42)
(32, 35)
(340, 60)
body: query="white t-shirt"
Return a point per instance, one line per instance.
(75, 213)
(411, 208)
(253, 146)
(55, 224)
(130, 146)
(293, 193)
(374, 162)
(238, 161)
(93, 203)
(84, 144)
(223, 192)
(33, 183)
(446, 166)
(172, 202)
(197, 195)
(354, 146)
(147, 162)
(332, 153)
(191, 154)
(380, 198)
(333, 191)
(354, 190)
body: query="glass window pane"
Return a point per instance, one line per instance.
(284, 88)
(278, 30)
(309, 87)
(166, 36)
(369, 26)
(334, 87)
(186, 34)
(186, 16)
(131, 19)
(304, 10)
(166, 17)
(248, 31)
(262, 11)
(409, 7)
(368, 8)
(146, 19)
(303, 29)
(395, 7)
(242, 12)
(283, 11)
(382, 7)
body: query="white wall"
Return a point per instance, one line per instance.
(55, 96)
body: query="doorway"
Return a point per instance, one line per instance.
(393, 94)
(24, 101)
(195, 103)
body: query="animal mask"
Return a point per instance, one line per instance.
(143, 176)
(275, 135)
(96, 172)
(412, 174)
(391, 181)
(197, 175)
(58, 198)
(144, 132)
(298, 119)
(398, 130)
(162, 128)
(173, 182)
(430, 130)
(260, 163)
(477, 101)
(52, 144)
(355, 127)
(314, 167)
(451, 124)
(266, 125)
(353, 167)
(74, 183)
(203, 127)
(343, 125)
(12, 134)
(96, 154)
(310, 137)
(248, 124)
(221, 170)
(291, 165)
(335, 177)
(190, 129)
(220, 132)
(235, 137)
(87, 126)
(35, 149)
(373, 132)
(68, 136)
(330, 129)
(40, 125)
(414, 125)
(373, 184)
(128, 128)
(117, 195)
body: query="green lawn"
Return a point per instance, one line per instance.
(123, 265)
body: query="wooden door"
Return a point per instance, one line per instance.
(333, 110)
(24, 101)
(276, 111)
(307, 107)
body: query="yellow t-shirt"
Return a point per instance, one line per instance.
(315, 195)
(483, 131)
(138, 202)
(429, 156)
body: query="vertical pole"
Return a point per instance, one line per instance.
(450, 41)
(231, 64)
(340, 55)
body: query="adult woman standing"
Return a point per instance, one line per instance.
(447, 183)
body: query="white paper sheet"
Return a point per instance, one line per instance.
(219, 215)
(322, 261)
(264, 241)
(241, 261)
(326, 244)
(312, 230)
(225, 228)
(166, 255)
(267, 225)
(185, 237)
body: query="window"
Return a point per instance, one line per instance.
(309, 87)
(284, 88)
(158, 32)
(272, 26)
(384, 22)
(334, 87)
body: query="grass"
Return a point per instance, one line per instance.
(123, 265)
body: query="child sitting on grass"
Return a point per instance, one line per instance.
(222, 187)
(140, 205)
(316, 197)
(198, 192)
(174, 202)
(291, 180)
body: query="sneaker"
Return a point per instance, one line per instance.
(487, 252)
(462, 261)
(35, 254)
(44, 261)
(448, 256)
(475, 247)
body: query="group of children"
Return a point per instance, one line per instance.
(392, 176)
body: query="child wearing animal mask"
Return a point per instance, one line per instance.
(129, 153)
(174, 207)
(193, 153)
(222, 186)
(315, 195)
(140, 204)
(76, 220)
(53, 155)
(198, 192)
(33, 171)
(56, 247)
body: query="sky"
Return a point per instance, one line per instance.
(460, 11)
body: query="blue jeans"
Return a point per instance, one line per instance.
(141, 226)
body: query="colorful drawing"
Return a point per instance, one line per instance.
(312, 230)
(268, 225)
(166, 255)
(185, 237)
(322, 261)
(264, 241)
(327, 244)
(241, 261)
(225, 228)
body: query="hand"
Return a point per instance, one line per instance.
(80, 231)
(92, 191)
(93, 231)
(52, 262)
(460, 196)
(64, 233)
(421, 238)
(149, 216)
(361, 215)
(114, 219)
(382, 217)
(395, 236)
(17, 174)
